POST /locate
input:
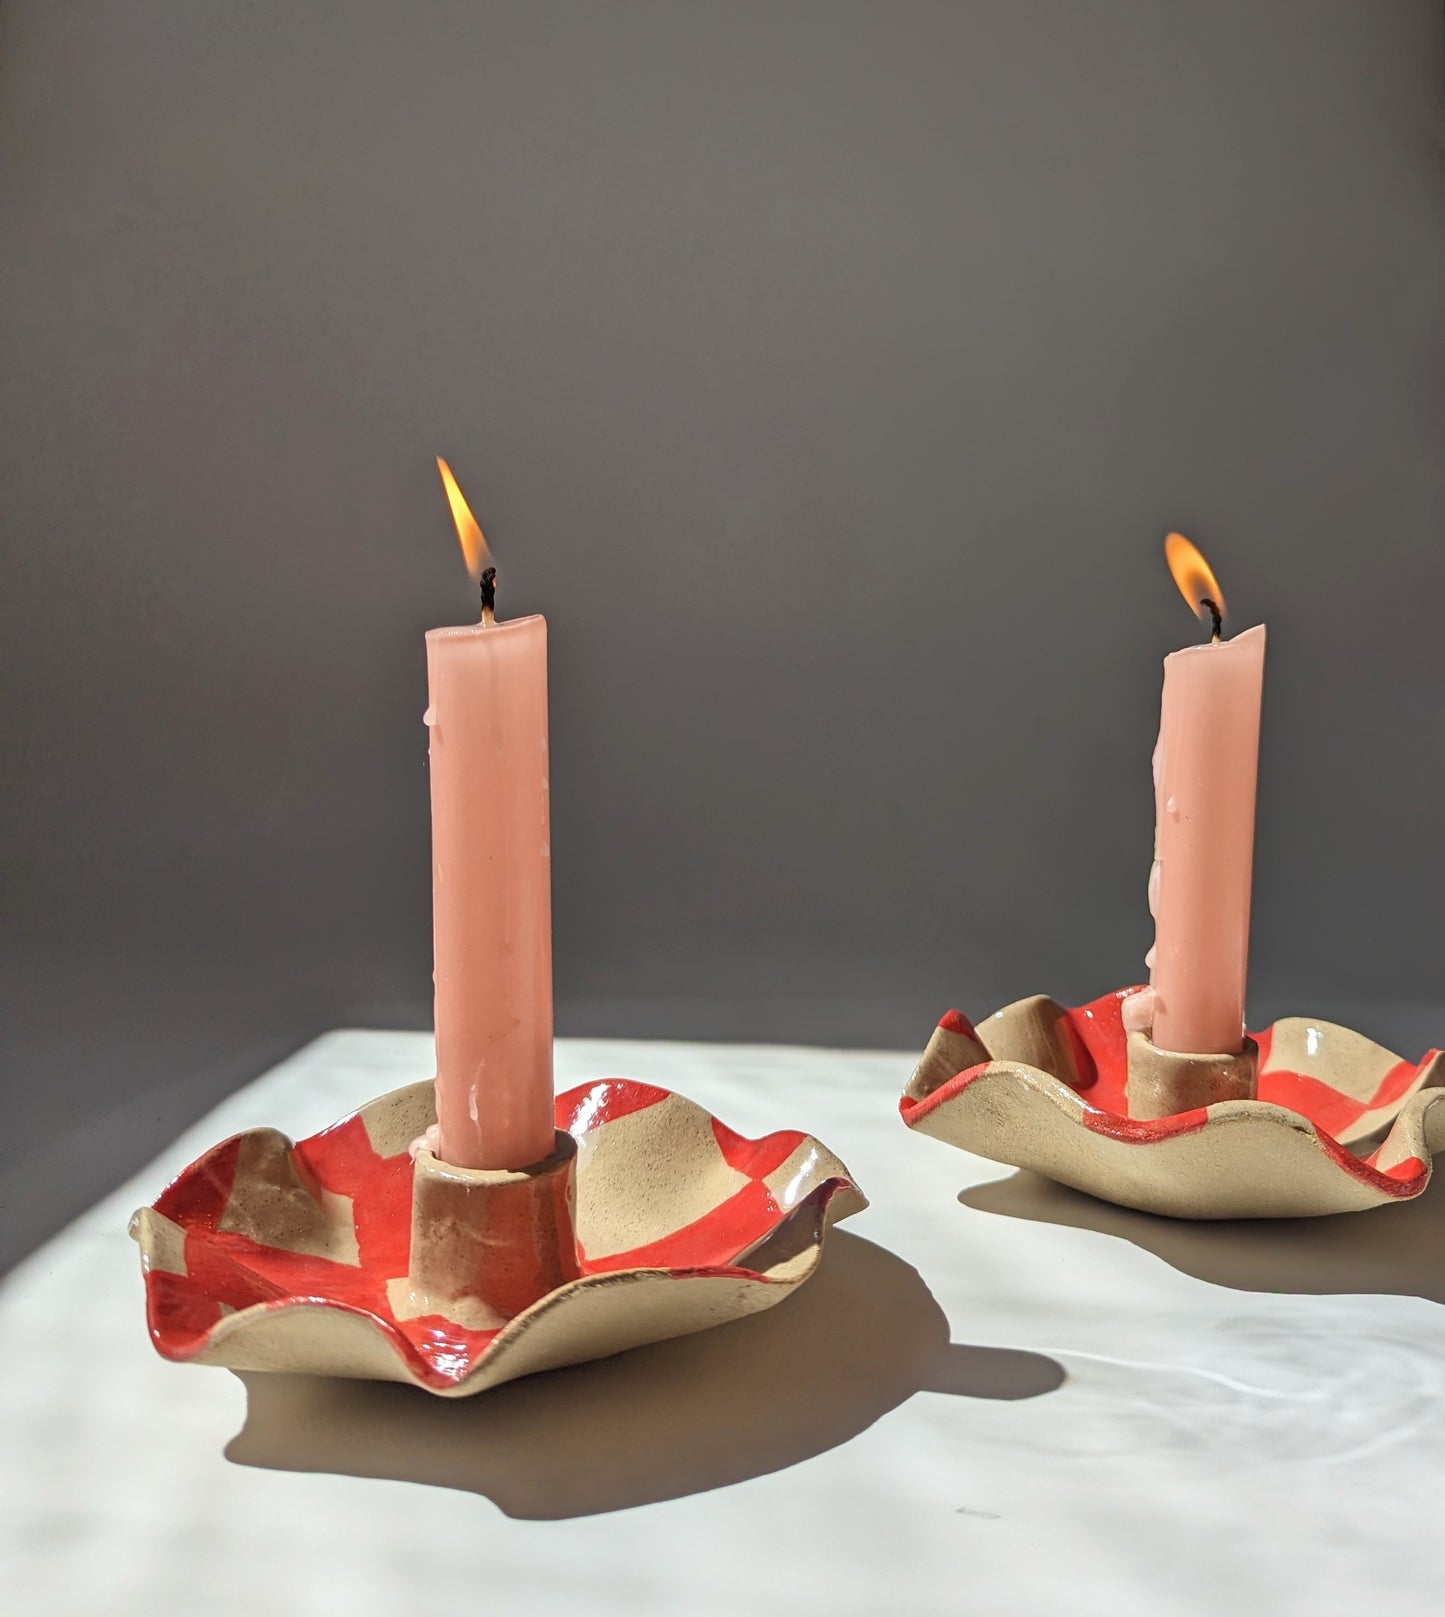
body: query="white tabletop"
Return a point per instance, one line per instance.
(1132, 1416)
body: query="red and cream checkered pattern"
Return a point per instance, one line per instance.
(1339, 1123)
(269, 1255)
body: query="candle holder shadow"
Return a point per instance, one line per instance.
(1337, 1123)
(339, 1256)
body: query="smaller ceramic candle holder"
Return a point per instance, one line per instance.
(343, 1256)
(1309, 1118)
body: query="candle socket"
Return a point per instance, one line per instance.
(1163, 1083)
(487, 1243)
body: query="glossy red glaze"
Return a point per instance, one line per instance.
(756, 1158)
(1097, 1038)
(227, 1272)
(957, 1022)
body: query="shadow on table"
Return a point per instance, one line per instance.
(1388, 1250)
(658, 1422)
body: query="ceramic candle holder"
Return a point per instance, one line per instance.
(1311, 1118)
(341, 1256)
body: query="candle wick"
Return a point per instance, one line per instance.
(488, 585)
(1216, 618)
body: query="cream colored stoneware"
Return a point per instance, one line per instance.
(487, 1243)
(1340, 1123)
(1163, 1083)
(679, 1225)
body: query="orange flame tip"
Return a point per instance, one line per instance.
(1194, 576)
(474, 547)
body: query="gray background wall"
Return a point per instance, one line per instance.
(828, 373)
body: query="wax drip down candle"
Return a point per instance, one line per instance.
(491, 876)
(1205, 768)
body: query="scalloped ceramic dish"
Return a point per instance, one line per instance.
(1339, 1124)
(264, 1255)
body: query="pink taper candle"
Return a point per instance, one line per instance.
(491, 880)
(1206, 765)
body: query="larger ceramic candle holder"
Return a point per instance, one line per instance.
(1310, 1118)
(341, 1256)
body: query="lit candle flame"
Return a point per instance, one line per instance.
(1195, 578)
(469, 535)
